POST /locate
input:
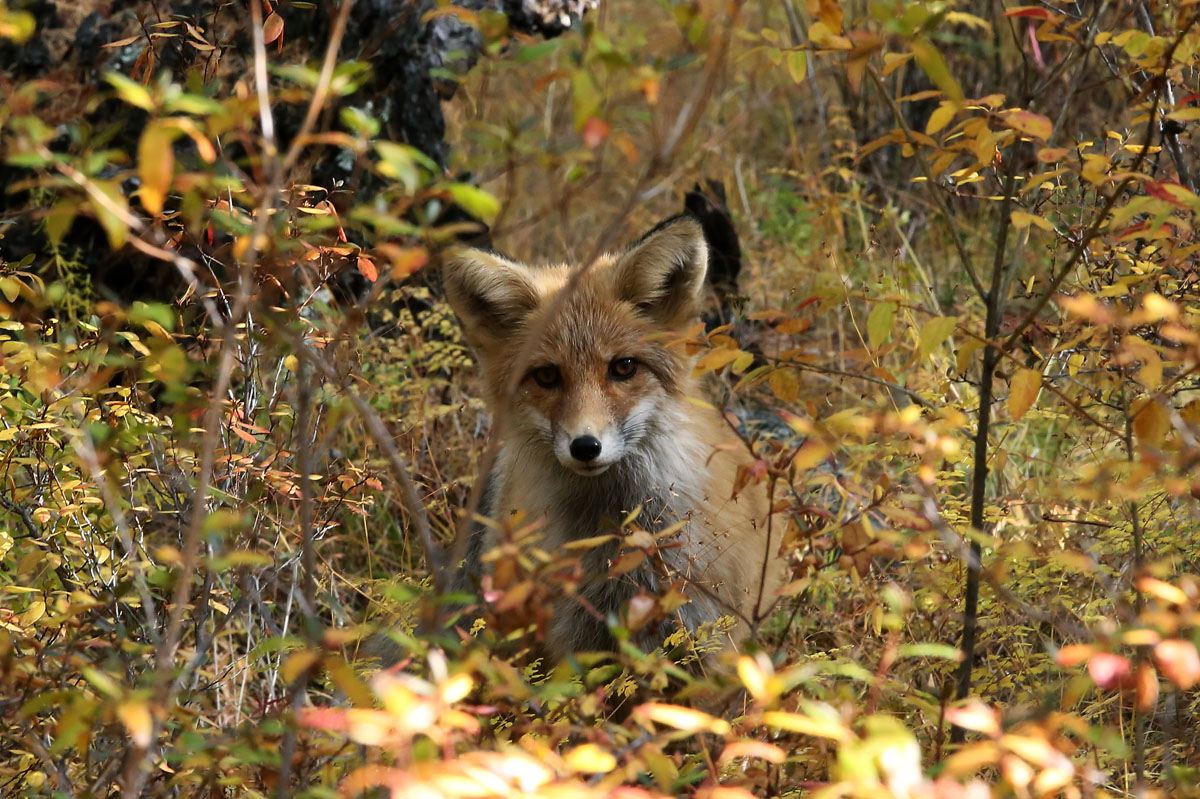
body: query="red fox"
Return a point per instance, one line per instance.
(605, 420)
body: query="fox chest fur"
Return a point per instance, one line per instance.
(596, 414)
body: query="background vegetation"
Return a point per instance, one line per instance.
(235, 416)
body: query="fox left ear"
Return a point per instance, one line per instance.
(662, 275)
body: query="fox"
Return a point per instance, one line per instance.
(606, 417)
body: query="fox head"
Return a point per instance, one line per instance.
(596, 368)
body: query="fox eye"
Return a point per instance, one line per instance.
(547, 376)
(622, 369)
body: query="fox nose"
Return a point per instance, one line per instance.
(585, 448)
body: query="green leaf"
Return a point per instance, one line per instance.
(586, 96)
(540, 50)
(930, 650)
(935, 67)
(152, 311)
(934, 332)
(797, 65)
(397, 162)
(475, 201)
(131, 91)
(879, 323)
(359, 121)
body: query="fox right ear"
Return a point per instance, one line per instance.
(490, 294)
(662, 275)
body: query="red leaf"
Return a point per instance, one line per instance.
(1110, 671)
(595, 131)
(322, 718)
(1178, 661)
(1172, 192)
(1029, 11)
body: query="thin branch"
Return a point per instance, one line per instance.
(938, 199)
(1100, 219)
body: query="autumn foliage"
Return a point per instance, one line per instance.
(238, 422)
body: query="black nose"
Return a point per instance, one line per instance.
(585, 448)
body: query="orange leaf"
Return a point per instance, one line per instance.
(1179, 662)
(367, 267)
(1029, 123)
(272, 28)
(1145, 692)
(243, 435)
(595, 131)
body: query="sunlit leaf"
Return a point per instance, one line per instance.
(1179, 662)
(590, 759)
(1023, 390)
(156, 165)
(1029, 123)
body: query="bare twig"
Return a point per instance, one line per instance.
(939, 200)
(1098, 222)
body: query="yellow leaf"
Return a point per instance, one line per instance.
(879, 323)
(753, 677)
(760, 749)
(297, 663)
(590, 759)
(456, 688)
(940, 118)
(35, 611)
(135, 715)
(131, 91)
(682, 718)
(933, 333)
(806, 725)
(156, 165)
(785, 385)
(111, 211)
(811, 453)
(1020, 219)
(716, 359)
(1151, 373)
(1023, 390)
(1165, 591)
(1150, 423)
(1185, 115)
(10, 287)
(893, 61)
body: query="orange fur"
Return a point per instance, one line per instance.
(657, 448)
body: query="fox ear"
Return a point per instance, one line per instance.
(491, 294)
(662, 275)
